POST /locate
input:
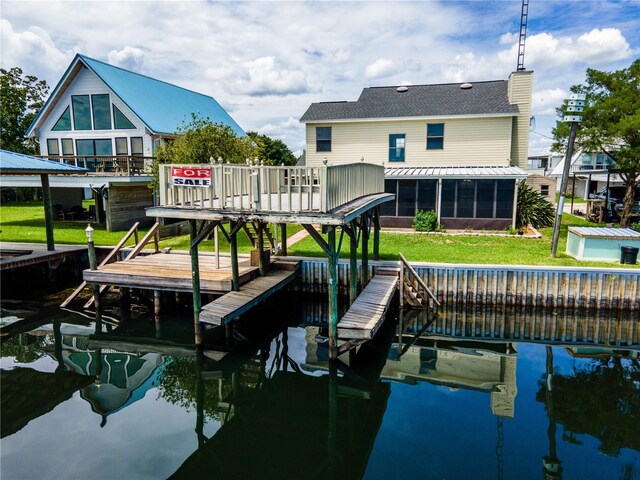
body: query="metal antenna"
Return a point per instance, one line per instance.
(523, 34)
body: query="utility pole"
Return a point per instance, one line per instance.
(575, 104)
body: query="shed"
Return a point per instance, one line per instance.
(12, 163)
(600, 244)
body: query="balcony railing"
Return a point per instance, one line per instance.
(121, 165)
(585, 168)
(268, 189)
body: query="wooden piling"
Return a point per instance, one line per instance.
(233, 243)
(353, 265)
(364, 225)
(376, 233)
(333, 294)
(195, 280)
(283, 239)
(48, 215)
(157, 299)
(261, 263)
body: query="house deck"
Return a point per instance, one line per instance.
(170, 271)
(363, 319)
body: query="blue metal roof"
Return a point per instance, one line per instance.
(161, 106)
(19, 163)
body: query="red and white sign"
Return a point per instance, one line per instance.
(191, 177)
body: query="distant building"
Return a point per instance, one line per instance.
(111, 121)
(588, 173)
(458, 149)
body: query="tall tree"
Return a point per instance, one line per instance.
(272, 151)
(611, 124)
(200, 140)
(21, 98)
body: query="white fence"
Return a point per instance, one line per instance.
(272, 189)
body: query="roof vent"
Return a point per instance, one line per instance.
(402, 89)
(466, 86)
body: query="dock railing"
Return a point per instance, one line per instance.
(267, 188)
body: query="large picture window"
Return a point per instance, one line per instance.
(90, 148)
(101, 112)
(81, 112)
(323, 139)
(396, 147)
(435, 136)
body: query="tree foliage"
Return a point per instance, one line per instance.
(200, 140)
(272, 151)
(611, 124)
(21, 98)
(532, 208)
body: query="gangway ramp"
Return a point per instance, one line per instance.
(366, 314)
(230, 306)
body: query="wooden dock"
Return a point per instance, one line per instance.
(15, 255)
(169, 271)
(363, 319)
(230, 306)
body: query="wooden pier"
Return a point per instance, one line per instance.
(171, 271)
(363, 319)
(230, 306)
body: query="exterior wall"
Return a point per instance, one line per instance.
(126, 204)
(519, 90)
(467, 142)
(537, 181)
(87, 83)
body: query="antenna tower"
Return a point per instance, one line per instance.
(524, 15)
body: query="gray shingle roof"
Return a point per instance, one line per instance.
(418, 101)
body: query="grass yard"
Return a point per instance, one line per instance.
(24, 222)
(468, 249)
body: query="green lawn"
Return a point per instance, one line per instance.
(24, 222)
(467, 249)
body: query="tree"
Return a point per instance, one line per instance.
(200, 140)
(21, 98)
(272, 151)
(611, 124)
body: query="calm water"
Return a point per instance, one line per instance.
(470, 395)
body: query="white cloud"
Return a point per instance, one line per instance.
(545, 102)
(264, 77)
(131, 58)
(383, 67)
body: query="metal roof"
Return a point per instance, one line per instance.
(21, 164)
(484, 98)
(161, 106)
(456, 172)
(619, 233)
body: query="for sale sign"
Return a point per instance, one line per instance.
(191, 177)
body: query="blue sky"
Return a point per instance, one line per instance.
(266, 62)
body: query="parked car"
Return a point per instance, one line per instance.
(616, 196)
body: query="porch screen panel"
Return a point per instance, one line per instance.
(389, 208)
(465, 197)
(485, 198)
(448, 206)
(504, 198)
(406, 198)
(427, 190)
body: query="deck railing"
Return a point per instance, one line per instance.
(268, 188)
(121, 165)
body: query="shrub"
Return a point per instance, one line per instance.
(426, 221)
(533, 208)
(636, 227)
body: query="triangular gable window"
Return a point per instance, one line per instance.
(121, 121)
(64, 122)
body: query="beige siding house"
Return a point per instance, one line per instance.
(456, 148)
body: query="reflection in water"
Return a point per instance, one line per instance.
(266, 403)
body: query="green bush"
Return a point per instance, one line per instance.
(533, 208)
(426, 221)
(636, 227)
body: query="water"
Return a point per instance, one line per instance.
(483, 394)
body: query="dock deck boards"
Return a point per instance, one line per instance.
(367, 312)
(230, 306)
(169, 271)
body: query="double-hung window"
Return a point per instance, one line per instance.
(435, 136)
(396, 147)
(323, 139)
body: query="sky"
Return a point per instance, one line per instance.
(266, 62)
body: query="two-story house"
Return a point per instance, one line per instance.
(456, 148)
(111, 121)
